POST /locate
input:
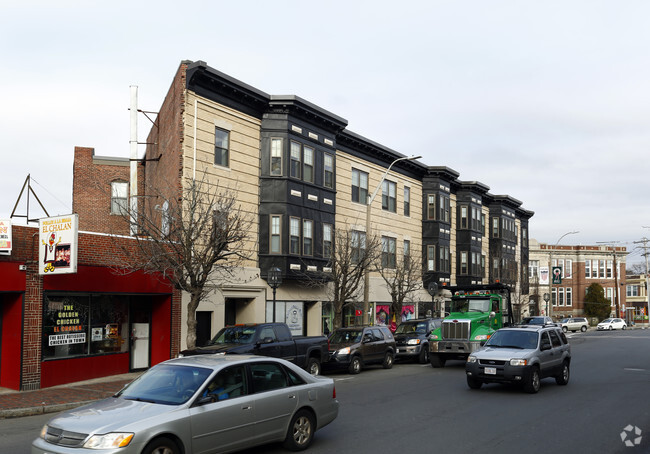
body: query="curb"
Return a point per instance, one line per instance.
(44, 409)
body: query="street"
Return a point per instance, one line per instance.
(416, 408)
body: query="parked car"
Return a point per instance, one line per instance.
(209, 403)
(537, 320)
(268, 339)
(412, 338)
(574, 324)
(611, 323)
(521, 355)
(355, 347)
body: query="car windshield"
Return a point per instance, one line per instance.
(346, 336)
(412, 328)
(234, 335)
(513, 339)
(166, 384)
(607, 320)
(470, 305)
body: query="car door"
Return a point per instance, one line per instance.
(556, 351)
(267, 343)
(228, 420)
(274, 399)
(545, 352)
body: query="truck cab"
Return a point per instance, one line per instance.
(476, 312)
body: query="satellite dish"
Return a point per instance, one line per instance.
(432, 288)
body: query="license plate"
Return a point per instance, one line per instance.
(490, 370)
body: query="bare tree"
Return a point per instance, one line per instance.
(402, 281)
(196, 241)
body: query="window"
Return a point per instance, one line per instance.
(329, 170)
(431, 258)
(444, 208)
(388, 252)
(308, 237)
(476, 264)
(407, 201)
(358, 246)
(327, 240)
(294, 236)
(632, 290)
(221, 147)
(276, 157)
(463, 217)
(476, 219)
(359, 186)
(431, 207)
(587, 268)
(569, 296)
(602, 268)
(275, 246)
(561, 296)
(389, 196)
(267, 377)
(483, 223)
(533, 268)
(228, 383)
(444, 265)
(308, 165)
(482, 266)
(407, 254)
(463, 262)
(609, 269)
(568, 270)
(295, 159)
(495, 227)
(119, 197)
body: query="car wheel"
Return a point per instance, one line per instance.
(301, 431)
(583, 328)
(610, 327)
(437, 360)
(424, 354)
(388, 360)
(532, 383)
(623, 327)
(355, 365)
(564, 328)
(563, 378)
(162, 445)
(474, 383)
(313, 366)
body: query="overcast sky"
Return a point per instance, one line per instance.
(545, 101)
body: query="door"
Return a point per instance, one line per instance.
(203, 327)
(139, 345)
(230, 312)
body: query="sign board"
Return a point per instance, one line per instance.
(5, 236)
(557, 275)
(58, 244)
(543, 275)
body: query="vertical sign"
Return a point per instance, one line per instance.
(5, 236)
(58, 244)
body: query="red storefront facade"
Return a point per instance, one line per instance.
(123, 322)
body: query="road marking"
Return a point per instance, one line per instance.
(634, 370)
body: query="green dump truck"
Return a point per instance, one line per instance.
(476, 312)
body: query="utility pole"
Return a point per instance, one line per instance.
(644, 240)
(615, 270)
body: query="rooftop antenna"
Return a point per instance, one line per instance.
(27, 184)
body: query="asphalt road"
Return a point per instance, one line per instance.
(415, 408)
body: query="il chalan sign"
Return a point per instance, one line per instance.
(58, 244)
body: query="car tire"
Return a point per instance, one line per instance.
(162, 445)
(301, 431)
(532, 383)
(424, 354)
(436, 360)
(583, 328)
(610, 327)
(564, 328)
(474, 383)
(389, 359)
(623, 327)
(563, 378)
(313, 366)
(355, 365)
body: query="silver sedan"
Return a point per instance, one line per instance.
(199, 404)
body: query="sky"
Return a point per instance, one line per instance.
(545, 101)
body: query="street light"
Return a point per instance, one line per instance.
(274, 280)
(366, 284)
(550, 272)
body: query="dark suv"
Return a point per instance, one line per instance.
(354, 347)
(523, 355)
(412, 338)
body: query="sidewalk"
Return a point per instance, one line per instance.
(14, 404)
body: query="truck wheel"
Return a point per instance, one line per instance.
(437, 360)
(313, 366)
(388, 361)
(474, 383)
(424, 354)
(532, 383)
(355, 365)
(563, 377)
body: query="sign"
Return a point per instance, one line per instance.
(58, 244)
(543, 275)
(557, 275)
(66, 339)
(5, 236)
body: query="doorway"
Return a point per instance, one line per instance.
(203, 327)
(140, 327)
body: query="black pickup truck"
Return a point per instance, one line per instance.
(268, 339)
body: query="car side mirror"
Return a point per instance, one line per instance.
(367, 338)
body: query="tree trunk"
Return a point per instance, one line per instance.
(191, 320)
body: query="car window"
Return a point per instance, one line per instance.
(227, 384)
(513, 339)
(377, 335)
(545, 340)
(345, 336)
(294, 378)
(555, 339)
(267, 377)
(563, 337)
(266, 333)
(167, 384)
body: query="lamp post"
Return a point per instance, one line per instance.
(366, 281)
(550, 272)
(274, 280)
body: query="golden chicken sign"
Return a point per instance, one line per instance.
(58, 243)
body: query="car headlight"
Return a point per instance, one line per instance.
(108, 441)
(413, 342)
(43, 432)
(471, 359)
(481, 337)
(518, 362)
(344, 351)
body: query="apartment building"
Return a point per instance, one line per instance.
(636, 298)
(580, 266)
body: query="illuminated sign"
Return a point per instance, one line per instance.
(58, 244)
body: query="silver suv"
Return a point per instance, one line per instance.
(574, 324)
(522, 354)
